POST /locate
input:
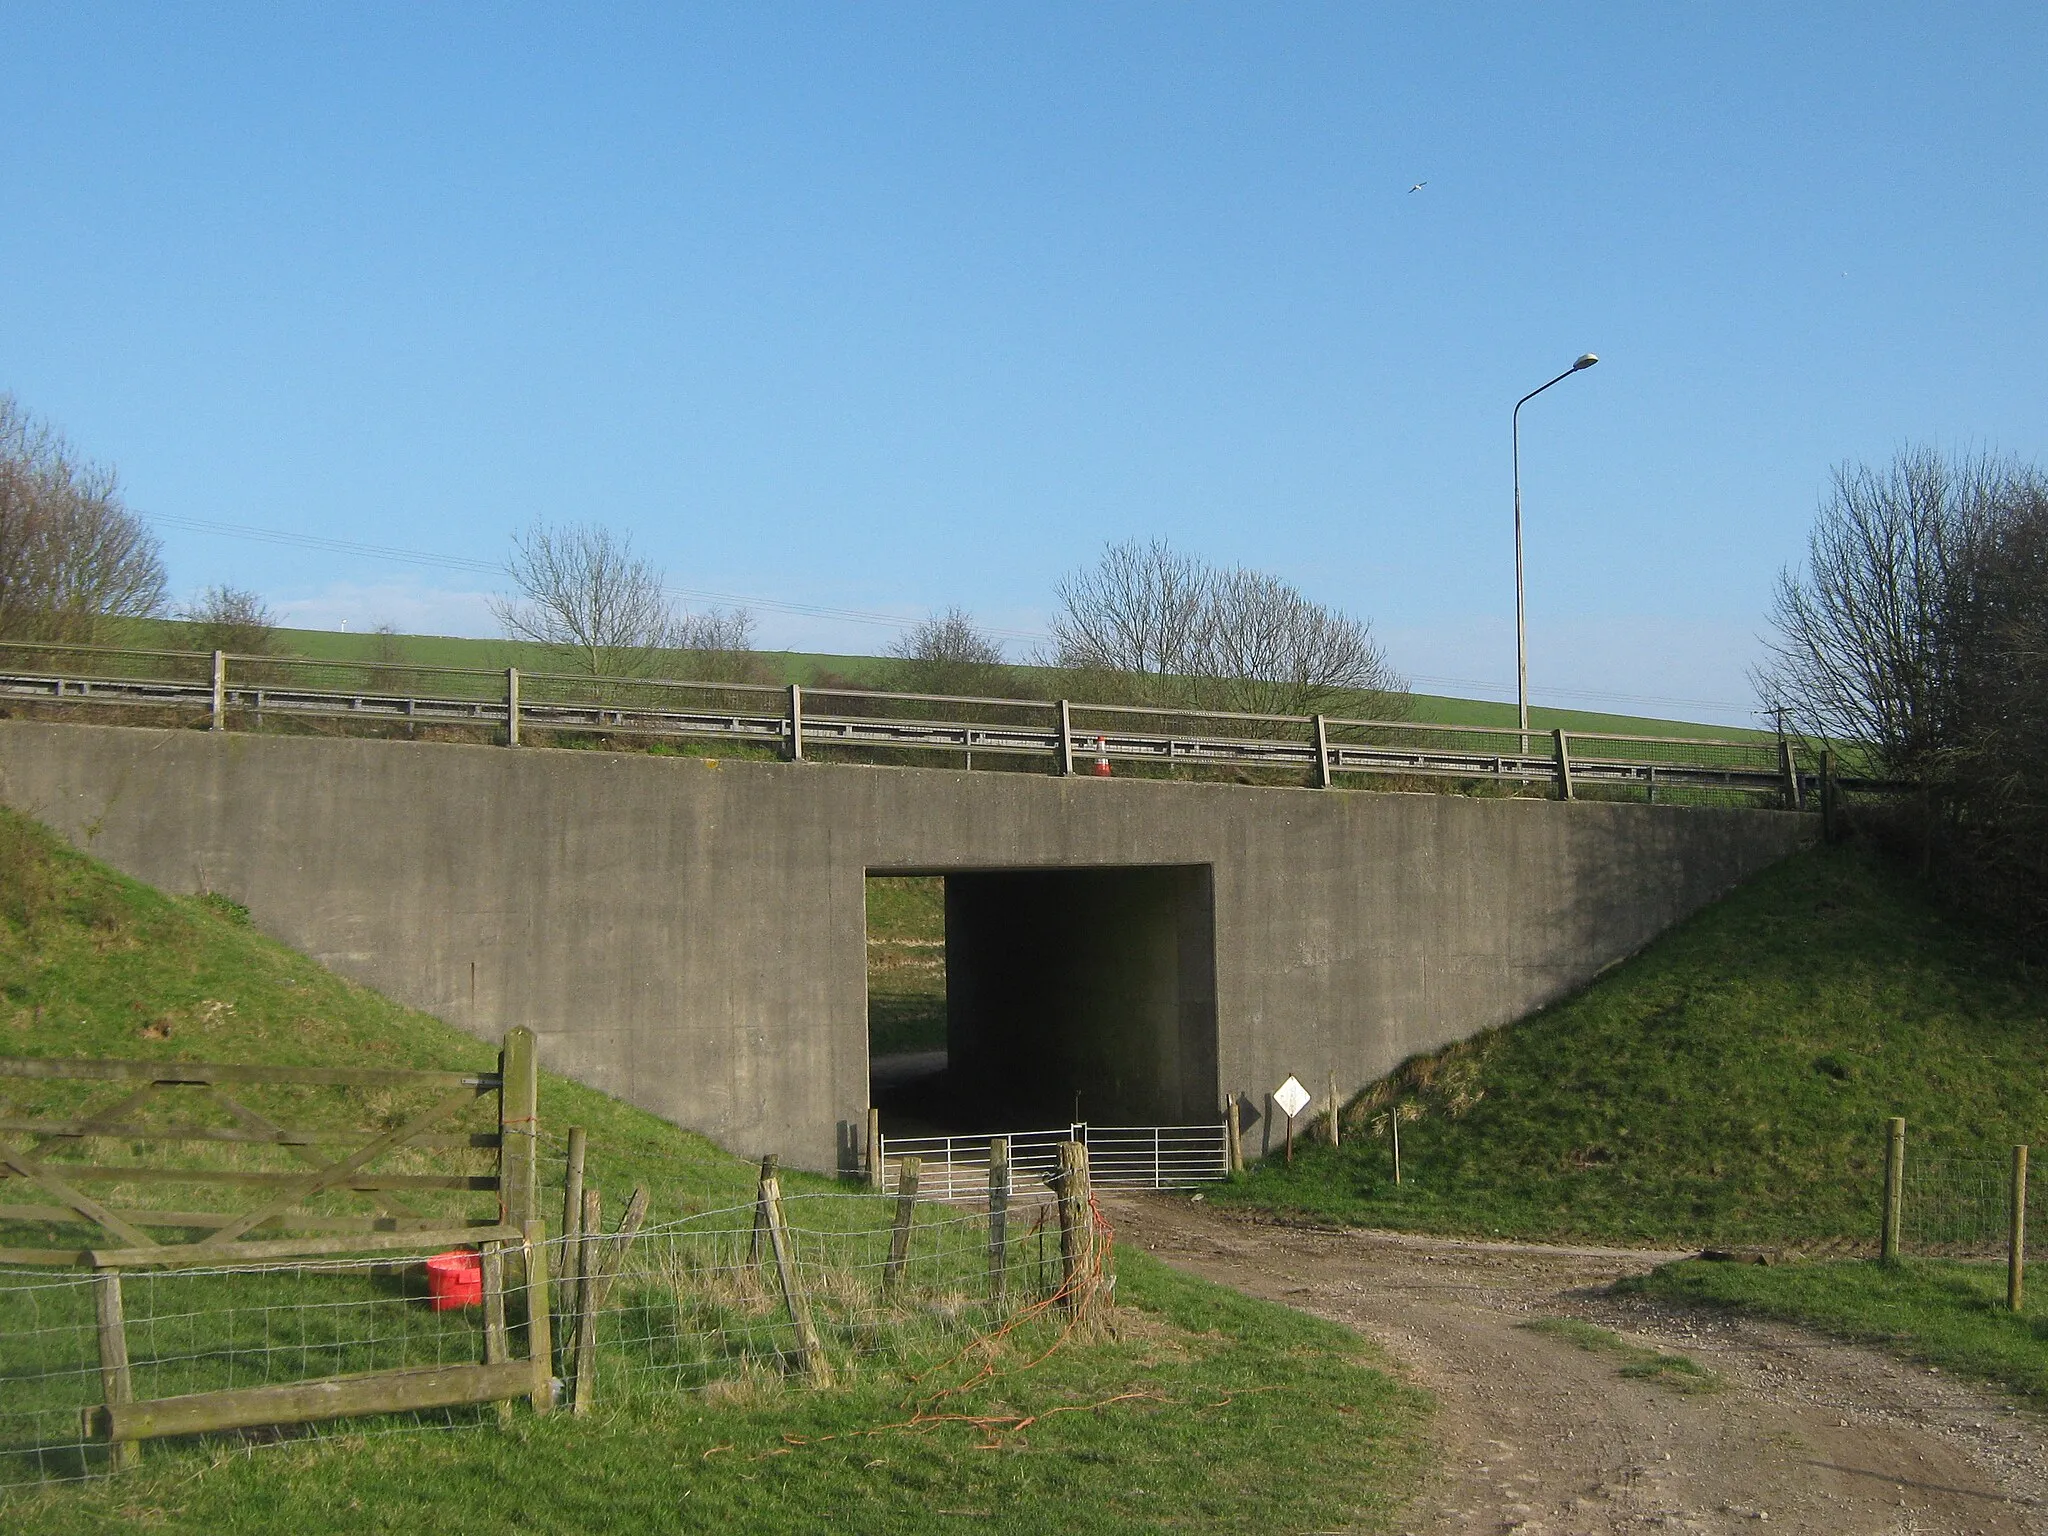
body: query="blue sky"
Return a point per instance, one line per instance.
(885, 308)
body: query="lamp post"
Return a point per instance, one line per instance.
(1585, 361)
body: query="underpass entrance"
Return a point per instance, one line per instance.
(1070, 995)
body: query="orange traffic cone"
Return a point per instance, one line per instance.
(1102, 757)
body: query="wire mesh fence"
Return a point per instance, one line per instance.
(1955, 1205)
(693, 1305)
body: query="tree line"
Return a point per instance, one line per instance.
(1147, 624)
(1915, 636)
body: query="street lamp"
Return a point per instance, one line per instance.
(1586, 360)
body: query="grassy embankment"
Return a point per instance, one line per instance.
(1230, 1412)
(1729, 1083)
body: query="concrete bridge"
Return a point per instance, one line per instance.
(690, 934)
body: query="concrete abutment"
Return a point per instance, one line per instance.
(688, 934)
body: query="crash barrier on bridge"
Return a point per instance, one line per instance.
(1960, 1206)
(813, 1287)
(1119, 1157)
(516, 707)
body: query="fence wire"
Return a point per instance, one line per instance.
(694, 1306)
(1960, 1206)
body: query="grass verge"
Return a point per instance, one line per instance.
(1729, 1083)
(1941, 1312)
(1681, 1373)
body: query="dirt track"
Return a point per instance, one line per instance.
(1542, 1437)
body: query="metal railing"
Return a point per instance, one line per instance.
(513, 706)
(1119, 1157)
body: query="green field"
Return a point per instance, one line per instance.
(1729, 1083)
(1171, 1414)
(906, 964)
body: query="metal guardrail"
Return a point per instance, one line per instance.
(248, 692)
(1119, 1157)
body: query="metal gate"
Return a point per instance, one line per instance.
(1119, 1157)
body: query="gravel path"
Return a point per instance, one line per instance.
(1539, 1436)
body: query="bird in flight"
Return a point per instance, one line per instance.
(1418, 186)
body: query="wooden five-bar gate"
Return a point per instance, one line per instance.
(287, 1214)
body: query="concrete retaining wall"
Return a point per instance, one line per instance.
(690, 936)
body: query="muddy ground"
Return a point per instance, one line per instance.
(1540, 1436)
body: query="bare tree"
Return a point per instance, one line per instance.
(1141, 612)
(1174, 631)
(584, 591)
(1918, 631)
(1864, 643)
(224, 618)
(1270, 650)
(72, 556)
(718, 646)
(948, 653)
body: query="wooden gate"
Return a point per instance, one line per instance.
(222, 1135)
(203, 1110)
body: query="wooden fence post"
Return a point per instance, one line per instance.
(810, 1352)
(909, 1172)
(603, 1258)
(1077, 1229)
(1789, 771)
(511, 706)
(2016, 1232)
(1233, 1135)
(497, 1341)
(540, 1331)
(1330, 1114)
(116, 1385)
(876, 1151)
(518, 1129)
(1323, 777)
(1564, 765)
(220, 692)
(999, 1223)
(572, 1231)
(768, 1181)
(583, 1379)
(1894, 1188)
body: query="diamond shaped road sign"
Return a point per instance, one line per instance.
(1291, 1097)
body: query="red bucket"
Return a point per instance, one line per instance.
(455, 1279)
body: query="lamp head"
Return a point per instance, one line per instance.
(1586, 360)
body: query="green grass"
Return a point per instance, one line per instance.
(1681, 1373)
(1234, 1414)
(1728, 1083)
(1198, 1409)
(1940, 1312)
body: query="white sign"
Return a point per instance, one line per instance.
(1291, 1097)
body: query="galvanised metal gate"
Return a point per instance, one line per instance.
(1119, 1157)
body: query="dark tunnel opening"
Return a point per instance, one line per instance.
(1069, 994)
